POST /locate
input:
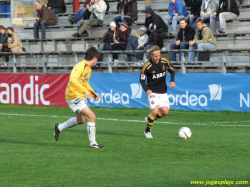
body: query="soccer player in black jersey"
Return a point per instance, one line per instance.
(153, 81)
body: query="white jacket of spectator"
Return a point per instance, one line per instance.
(142, 40)
(98, 9)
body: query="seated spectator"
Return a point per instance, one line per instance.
(120, 42)
(44, 18)
(227, 10)
(14, 42)
(176, 11)
(80, 14)
(203, 39)
(208, 7)
(132, 44)
(98, 9)
(56, 6)
(108, 39)
(142, 40)
(151, 17)
(4, 42)
(195, 12)
(129, 13)
(185, 34)
(154, 38)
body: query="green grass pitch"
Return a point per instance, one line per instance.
(218, 150)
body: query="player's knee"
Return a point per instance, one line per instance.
(165, 112)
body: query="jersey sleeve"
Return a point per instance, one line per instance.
(170, 69)
(91, 90)
(143, 77)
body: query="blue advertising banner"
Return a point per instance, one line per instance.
(197, 92)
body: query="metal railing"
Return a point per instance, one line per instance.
(183, 64)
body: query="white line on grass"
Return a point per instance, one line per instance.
(142, 121)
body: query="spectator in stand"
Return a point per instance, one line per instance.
(185, 34)
(4, 42)
(44, 18)
(120, 42)
(203, 39)
(132, 44)
(227, 9)
(108, 39)
(80, 14)
(142, 40)
(56, 6)
(208, 7)
(129, 13)
(176, 11)
(14, 42)
(151, 17)
(195, 12)
(98, 9)
(155, 38)
(239, 2)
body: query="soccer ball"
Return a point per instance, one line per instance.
(185, 133)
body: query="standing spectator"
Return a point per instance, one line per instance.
(142, 40)
(185, 34)
(203, 39)
(227, 10)
(154, 38)
(195, 12)
(151, 17)
(44, 18)
(98, 9)
(129, 13)
(208, 7)
(4, 42)
(14, 42)
(176, 11)
(80, 13)
(56, 6)
(120, 42)
(132, 44)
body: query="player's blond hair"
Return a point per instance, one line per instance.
(153, 49)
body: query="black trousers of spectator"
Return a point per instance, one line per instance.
(5, 49)
(116, 47)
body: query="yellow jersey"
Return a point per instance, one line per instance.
(78, 85)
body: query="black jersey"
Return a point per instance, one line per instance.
(155, 75)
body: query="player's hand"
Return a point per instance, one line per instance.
(172, 84)
(88, 96)
(97, 98)
(149, 92)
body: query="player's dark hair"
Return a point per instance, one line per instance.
(199, 21)
(91, 53)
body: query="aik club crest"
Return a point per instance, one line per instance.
(163, 68)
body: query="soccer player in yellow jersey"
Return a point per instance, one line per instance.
(78, 89)
(153, 81)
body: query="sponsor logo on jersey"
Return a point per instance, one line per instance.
(159, 75)
(143, 77)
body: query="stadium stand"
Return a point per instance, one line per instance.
(59, 39)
